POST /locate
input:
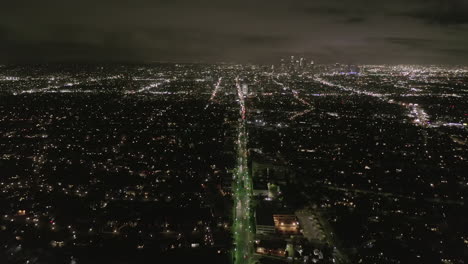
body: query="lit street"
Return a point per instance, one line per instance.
(242, 194)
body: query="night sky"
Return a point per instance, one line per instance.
(259, 31)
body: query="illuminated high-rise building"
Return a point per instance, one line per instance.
(245, 89)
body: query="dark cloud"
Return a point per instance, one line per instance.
(354, 20)
(443, 12)
(454, 52)
(406, 31)
(326, 10)
(411, 42)
(262, 39)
